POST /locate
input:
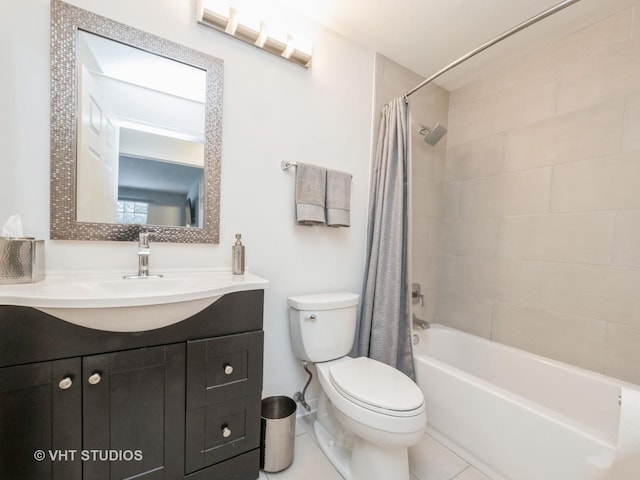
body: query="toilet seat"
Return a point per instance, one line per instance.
(377, 387)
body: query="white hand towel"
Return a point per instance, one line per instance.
(338, 198)
(311, 182)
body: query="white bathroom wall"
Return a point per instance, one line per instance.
(273, 111)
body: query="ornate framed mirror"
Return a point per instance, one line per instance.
(136, 129)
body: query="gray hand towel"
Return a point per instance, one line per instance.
(311, 184)
(338, 198)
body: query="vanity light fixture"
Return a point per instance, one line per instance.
(244, 21)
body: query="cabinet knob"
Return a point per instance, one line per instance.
(226, 432)
(228, 369)
(65, 383)
(95, 379)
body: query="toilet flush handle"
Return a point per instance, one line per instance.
(313, 316)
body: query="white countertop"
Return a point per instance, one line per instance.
(110, 302)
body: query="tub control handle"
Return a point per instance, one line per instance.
(416, 294)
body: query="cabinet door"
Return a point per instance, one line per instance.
(40, 430)
(133, 414)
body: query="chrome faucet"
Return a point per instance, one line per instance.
(420, 323)
(144, 251)
(143, 254)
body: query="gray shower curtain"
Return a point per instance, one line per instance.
(384, 329)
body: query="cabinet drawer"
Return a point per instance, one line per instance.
(222, 430)
(227, 368)
(223, 368)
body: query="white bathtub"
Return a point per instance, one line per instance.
(519, 416)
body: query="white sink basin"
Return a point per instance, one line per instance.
(128, 305)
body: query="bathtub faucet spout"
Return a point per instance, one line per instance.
(420, 323)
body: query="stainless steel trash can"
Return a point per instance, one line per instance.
(277, 437)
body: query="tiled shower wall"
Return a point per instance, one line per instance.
(540, 241)
(428, 107)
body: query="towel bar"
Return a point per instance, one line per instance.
(287, 165)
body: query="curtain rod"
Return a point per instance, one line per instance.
(541, 16)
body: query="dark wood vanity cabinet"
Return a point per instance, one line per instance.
(180, 402)
(37, 416)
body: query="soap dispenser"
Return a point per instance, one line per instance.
(237, 263)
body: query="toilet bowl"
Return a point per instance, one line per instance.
(368, 413)
(375, 422)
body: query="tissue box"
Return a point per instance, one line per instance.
(21, 260)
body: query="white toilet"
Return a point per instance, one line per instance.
(368, 413)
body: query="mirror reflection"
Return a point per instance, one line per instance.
(140, 136)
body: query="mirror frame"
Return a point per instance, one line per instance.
(66, 20)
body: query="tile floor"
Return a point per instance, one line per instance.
(433, 462)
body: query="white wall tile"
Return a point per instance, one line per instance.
(588, 133)
(631, 137)
(470, 236)
(425, 272)
(428, 199)
(392, 79)
(425, 256)
(626, 251)
(609, 32)
(435, 235)
(465, 312)
(516, 105)
(447, 272)
(485, 86)
(429, 106)
(606, 293)
(579, 238)
(477, 158)
(549, 145)
(512, 281)
(419, 231)
(516, 193)
(606, 183)
(451, 202)
(596, 78)
(635, 30)
(426, 160)
(429, 310)
(567, 338)
(622, 356)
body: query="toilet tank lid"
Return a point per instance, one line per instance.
(324, 301)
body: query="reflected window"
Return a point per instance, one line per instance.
(132, 212)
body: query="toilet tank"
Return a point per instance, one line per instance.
(323, 326)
